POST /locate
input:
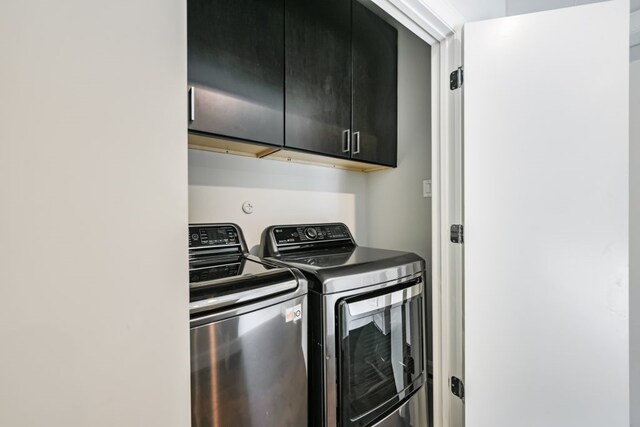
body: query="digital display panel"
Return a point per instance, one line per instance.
(213, 236)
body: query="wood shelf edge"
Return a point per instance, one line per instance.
(224, 146)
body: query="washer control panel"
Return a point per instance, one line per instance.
(213, 235)
(297, 234)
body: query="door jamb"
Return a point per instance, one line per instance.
(439, 24)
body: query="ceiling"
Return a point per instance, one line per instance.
(474, 10)
(635, 5)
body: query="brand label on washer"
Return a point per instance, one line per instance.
(294, 313)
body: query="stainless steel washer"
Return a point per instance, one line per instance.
(367, 326)
(248, 335)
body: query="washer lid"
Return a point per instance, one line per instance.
(241, 283)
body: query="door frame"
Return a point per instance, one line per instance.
(440, 25)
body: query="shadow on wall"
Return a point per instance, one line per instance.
(223, 170)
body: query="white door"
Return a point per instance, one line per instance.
(546, 218)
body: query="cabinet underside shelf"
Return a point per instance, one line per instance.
(228, 146)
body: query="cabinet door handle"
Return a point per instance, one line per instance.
(192, 103)
(346, 140)
(356, 142)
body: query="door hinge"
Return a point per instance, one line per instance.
(457, 233)
(457, 387)
(456, 78)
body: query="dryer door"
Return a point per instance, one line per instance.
(381, 361)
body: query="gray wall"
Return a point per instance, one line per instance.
(93, 214)
(399, 215)
(474, 10)
(517, 7)
(635, 30)
(634, 250)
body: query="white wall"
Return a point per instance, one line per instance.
(93, 214)
(399, 215)
(284, 192)
(634, 215)
(280, 192)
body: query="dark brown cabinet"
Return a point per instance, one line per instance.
(340, 81)
(318, 76)
(236, 69)
(375, 88)
(312, 76)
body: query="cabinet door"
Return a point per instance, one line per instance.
(236, 65)
(318, 75)
(375, 93)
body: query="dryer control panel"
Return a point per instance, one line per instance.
(304, 237)
(309, 233)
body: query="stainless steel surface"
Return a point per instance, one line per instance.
(376, 303)
(250, 370)
(413, 413)
(329, 345)
(241, 297)
(367, 278)
(210, 316)
(192, 103)
(356, 142)
(346, 140)
(338, 270)
(359, 267)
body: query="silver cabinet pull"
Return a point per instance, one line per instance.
(346, 140)
(356, 142)
(192, 103)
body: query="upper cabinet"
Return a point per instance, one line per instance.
(375, 88)
(236, 69)
(312, 76)
(318, 76)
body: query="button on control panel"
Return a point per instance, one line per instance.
(310, 233)
(203, 236)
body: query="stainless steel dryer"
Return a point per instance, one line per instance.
(367, 326)
(248, 335)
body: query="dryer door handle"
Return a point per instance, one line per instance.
(376, 303)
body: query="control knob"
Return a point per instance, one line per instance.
(311, 233)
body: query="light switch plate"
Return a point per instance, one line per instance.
(426, 188)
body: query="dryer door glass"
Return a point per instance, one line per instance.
(381, 352)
